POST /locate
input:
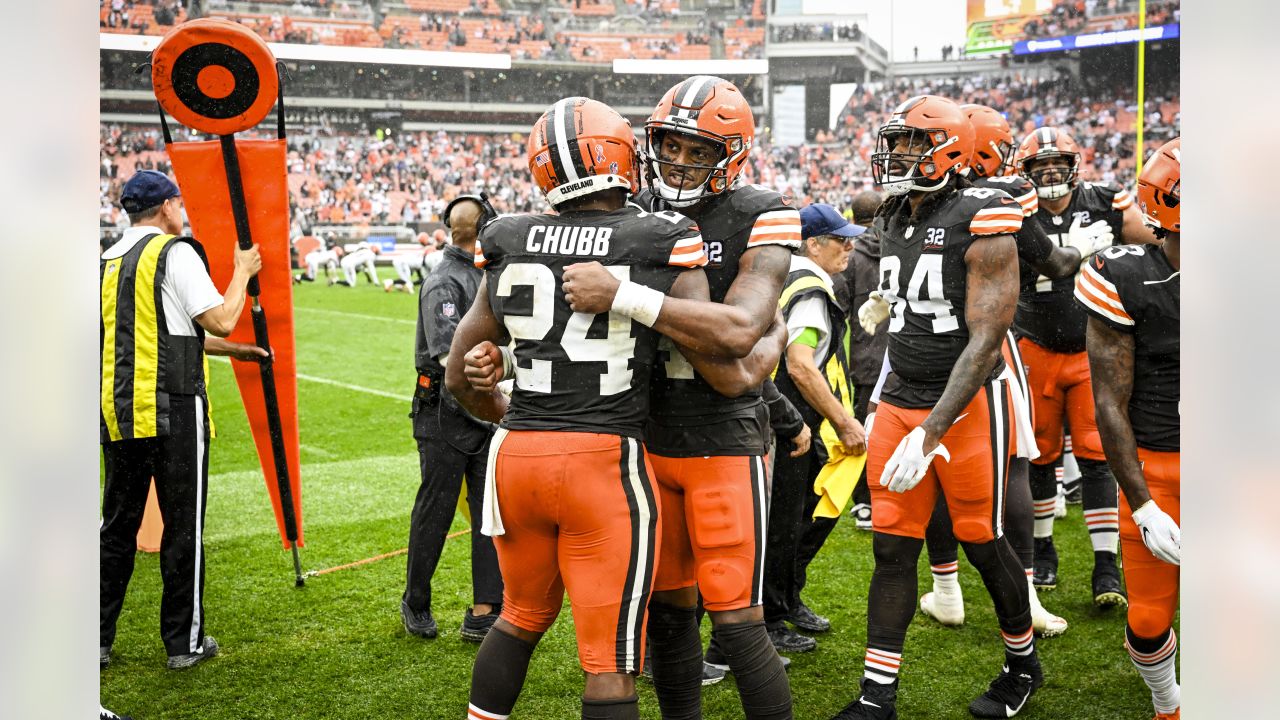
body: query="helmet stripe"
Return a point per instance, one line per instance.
(695, 91)
(561, 159)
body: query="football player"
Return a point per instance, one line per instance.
(1051, 331)
(1038, 255)
(708, 449)
(359, 256)
(1132, 296)
(949, 270)
(326, 255)
(570, 499)
(410, 264)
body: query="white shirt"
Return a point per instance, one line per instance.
(810, 312)
(187, 289)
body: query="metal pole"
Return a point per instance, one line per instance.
(240, 212)
(1142, 76)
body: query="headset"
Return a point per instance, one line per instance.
(487, 213)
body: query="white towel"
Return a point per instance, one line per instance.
(490, 514)
(1021, 417)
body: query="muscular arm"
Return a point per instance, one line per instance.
(739, 322)
(1134, 231)
(479, 325)
(1111, 368)
(992, 296)
(730, 376)
(816, 391)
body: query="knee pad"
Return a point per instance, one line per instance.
(1148, 621)
(720, 581)
(969, 530)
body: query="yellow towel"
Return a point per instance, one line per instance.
(838, 477)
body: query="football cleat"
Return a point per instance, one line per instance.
(945, 607)
(1009, 692)
(861, 514)
(1108, 591)
(1045, 574)
(711, 674)
(808, 620)
(418, 622)
(207, 650)
(786, 640)
(877, 702)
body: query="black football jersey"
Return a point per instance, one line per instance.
(1134, 289)
(924, 278)
(1033, 247)
(1047, 315)
(574, 371)
(688, 417)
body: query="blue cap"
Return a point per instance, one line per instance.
(147, 189)
(822, 219)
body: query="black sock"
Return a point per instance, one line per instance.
(676, 649)
(891, 604)
(1006, 581)
(762, 681)
(498, 674)
(1044, 497)
(1100, 497)
(612, 709)
(1019, 518)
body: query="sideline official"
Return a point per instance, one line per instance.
(154, 412)
(451, 444)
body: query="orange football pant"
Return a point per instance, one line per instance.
(1152, 582)
(1061, 389)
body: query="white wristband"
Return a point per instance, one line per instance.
(508, 362)
(638, 302)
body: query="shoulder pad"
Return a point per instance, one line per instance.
(751, 200)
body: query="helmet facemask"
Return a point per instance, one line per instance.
(902, 172)
(717, 179)
(1055, 181)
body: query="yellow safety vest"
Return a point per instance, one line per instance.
(142, 364)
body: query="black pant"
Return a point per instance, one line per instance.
(443, 469)
(179, 462)
(788, 525)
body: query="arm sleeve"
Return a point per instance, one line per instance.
(885, 369)
(1034, 246)
(1098, 295)
(191, 281)
(784, 419)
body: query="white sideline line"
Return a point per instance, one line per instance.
(335, 383)
(358, 316)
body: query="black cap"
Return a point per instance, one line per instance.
(147, 189)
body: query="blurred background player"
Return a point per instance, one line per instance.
(813, 375)
(1051, 337)
(1038, 255)
(703, 444)
(1132, 294)
(950, 274)
(407, 265)
(358, 256)
(326, 256)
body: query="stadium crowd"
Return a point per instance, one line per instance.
(349, 177)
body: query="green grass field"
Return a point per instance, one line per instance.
(336, 648)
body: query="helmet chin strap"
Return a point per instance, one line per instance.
(904, 184)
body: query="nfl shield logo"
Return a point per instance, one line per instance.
(449, 309)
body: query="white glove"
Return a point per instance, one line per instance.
(909, 463)
(1089, 240)
(1159, 532)
(873, 312)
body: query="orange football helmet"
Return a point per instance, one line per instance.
(992, 141)
(1043, 144)
(942, 138)
(707, 107)
(1160, 187)
(581, 146)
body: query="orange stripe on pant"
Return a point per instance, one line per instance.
(1152, 583)
(581, 514)
(713, 522)
(1061, 389)
(973, 481)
